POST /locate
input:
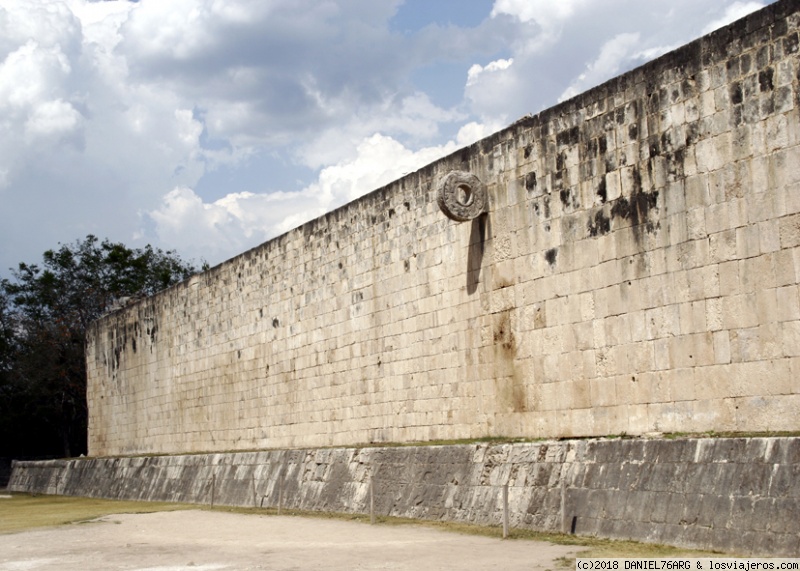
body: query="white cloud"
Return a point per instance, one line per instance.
(474, 131)
(49, 23)
(612, 56)
(38, 104)
(732, 13)
(474, 72)
(544, 20)
(175, 29)
(542, 12)
(240, 220)
(52, 118)
(188, 129)
(31, 73)
(159, 93)
(185, 221)
(653, 52)
(106, 106)
(413, 117)
(266, 73)
(560, 49)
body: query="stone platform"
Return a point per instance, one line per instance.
(735, 495)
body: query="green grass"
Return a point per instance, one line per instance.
(23, 512)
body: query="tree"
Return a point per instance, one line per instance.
(7, 346)
(44, 315)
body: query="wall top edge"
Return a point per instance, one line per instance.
(563, 442)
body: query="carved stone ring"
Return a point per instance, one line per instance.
(461, 196)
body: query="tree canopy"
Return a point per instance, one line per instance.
(44, 313)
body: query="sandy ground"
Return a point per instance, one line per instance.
(205, 541)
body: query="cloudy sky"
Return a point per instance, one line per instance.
(210, 126)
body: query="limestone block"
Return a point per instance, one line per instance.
(789, 230)
(790, 335)
(760, 206)
(716, 218)
(748, 241)
(614, 299)
(778, 137)
(722, 245)
(618, 330)
(707, 153)
(787, 302)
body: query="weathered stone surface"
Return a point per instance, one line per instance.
(461, 196)
(742, 505)
(636, 270)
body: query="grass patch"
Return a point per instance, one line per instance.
(23, 512)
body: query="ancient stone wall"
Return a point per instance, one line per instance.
(636, 271)
(736, 495)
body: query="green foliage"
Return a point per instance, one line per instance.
(6, 333)
(44, 313)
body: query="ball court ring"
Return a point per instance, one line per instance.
(462, 196)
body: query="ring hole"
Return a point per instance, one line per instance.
(464, 195)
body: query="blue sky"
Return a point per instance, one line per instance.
(413, 15)
(210, 126)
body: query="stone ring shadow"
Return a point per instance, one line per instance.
(477, 241)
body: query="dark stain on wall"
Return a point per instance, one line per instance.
(503, 334)
(636, 210)
(530, 181)
(600, 224)
(765, 79)
(568, 136)
(568, 198)
(509, 382)
(601, 190)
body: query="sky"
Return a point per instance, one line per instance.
(210, 126)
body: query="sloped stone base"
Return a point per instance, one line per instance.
(737, 495)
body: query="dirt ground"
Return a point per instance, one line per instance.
(195, 540)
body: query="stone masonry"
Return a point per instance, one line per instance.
(736, 495)
(636, 271)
